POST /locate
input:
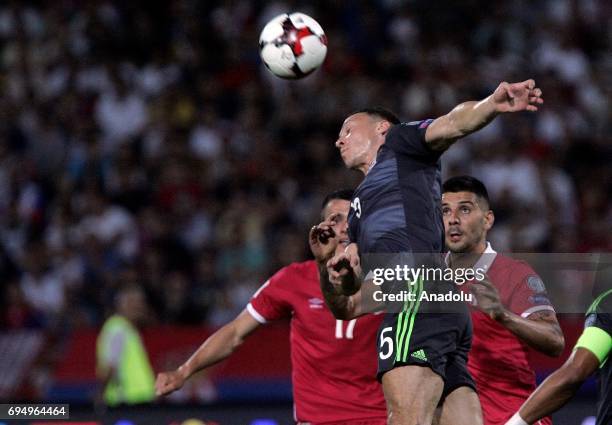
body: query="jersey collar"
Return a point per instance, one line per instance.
(485, 260)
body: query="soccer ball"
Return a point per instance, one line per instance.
(292, 45)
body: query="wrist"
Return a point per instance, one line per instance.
(184, 371)
(516, 420)
(502, 316)
(491, 105)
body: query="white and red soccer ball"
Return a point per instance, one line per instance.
(292, 45)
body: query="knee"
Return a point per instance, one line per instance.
(397, 408)
(398, 415)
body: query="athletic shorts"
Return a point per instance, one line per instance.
(435, 336)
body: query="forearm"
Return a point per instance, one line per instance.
(550, 396)
(217, 347)
(341, 306)
(471, 116)
(543, 336)
(463, 120)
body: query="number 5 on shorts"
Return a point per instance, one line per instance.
(385, 340)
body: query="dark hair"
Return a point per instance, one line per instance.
(380, 112)
(466, 184)
(346, 194)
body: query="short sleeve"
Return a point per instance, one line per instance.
(271, 300)
(529, 295)
(600, 314)
(602, 321)
(597, 335)
(409, 139)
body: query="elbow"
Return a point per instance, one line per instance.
(558, 349)
(346, 312)
(554, 344)
(557, 346)
(342, 314)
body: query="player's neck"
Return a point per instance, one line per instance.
(469, 257)
(480, 247)
(368, 165)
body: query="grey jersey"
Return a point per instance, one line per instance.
(397, 207)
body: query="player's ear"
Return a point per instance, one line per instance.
(489, 219)
(382, 127)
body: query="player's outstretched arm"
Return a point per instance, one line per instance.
(540, 330)
(558, 388)
(217, 347)
(469, 117)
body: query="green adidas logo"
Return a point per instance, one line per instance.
(420, 354)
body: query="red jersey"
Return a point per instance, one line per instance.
(498, 360)
(333, 361)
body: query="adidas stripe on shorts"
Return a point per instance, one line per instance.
(431, 336)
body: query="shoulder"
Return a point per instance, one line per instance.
(409, 139)
(113, 322)
(296, 271)
(602, 304)
(412, 129)
(600, 313)
(114, 325)
(515, 271)
(518, 277)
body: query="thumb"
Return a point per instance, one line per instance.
(507, 89)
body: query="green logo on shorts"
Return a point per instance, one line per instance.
(420, 354)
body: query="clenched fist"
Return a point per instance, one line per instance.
(168, 382)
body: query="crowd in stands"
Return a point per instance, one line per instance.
(146, 142)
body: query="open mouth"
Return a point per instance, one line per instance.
(454, 235)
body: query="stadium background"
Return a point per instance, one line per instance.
(145, 142)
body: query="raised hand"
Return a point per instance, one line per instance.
(323, 240)
(515, 97)
(487, 298)
(343, 269)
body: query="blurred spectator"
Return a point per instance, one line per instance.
(42, 289)
(123, 367)
(179, 305)
(152, 140)
(17, 314)
(110, 225)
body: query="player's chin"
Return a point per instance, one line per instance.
(456, 246)
(348, 161)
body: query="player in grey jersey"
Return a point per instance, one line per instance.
(397, 210)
